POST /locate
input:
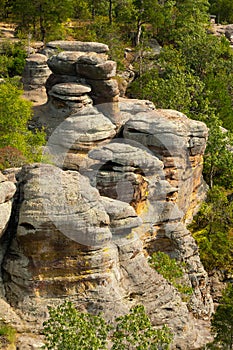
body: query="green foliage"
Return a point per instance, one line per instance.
(41, 18)
(212, 229)
(222, 321)
(12, 59)
(134, 331)
(218, 161)
(223, 9)
(7, 334)
(15, 113)
(69, 329)
(171, 269)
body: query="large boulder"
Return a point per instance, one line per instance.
(96, 71)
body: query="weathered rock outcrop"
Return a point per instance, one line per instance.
(125, 181)
(36, 72)
(180, 143)
(54, 47)
(71, 242)
(7, 191)
(88, 65)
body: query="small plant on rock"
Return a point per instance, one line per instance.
(171, 269)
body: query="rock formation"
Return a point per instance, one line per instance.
(7, 191)
(36, 71)
(125, 180)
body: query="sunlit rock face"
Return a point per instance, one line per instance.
(73, 243)
(180, 143)
(123, 181)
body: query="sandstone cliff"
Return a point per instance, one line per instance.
(125, 180)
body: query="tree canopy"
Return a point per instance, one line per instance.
(17, 143)
(69, 329)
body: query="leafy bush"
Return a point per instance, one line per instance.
(171, 269)
(15, 113)
(69, 329)
(12, 59)
(134, 331)
(11, 157)
(7, 334)
(222, 322)
(212, 229)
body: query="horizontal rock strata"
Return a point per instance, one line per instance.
(71, 242)
(125, 181)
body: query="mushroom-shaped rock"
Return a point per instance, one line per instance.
(129, 154)
(180, 143)
(70, 95)
(124, 172)
(167, 130)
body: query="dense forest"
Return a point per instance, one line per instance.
(192, 72)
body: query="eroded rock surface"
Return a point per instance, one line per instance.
(7, 191)
(73, 243)
(61, 45)
(36, 72)
(126, 179)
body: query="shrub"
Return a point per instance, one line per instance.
(7, 334)
(69, 329)
(11, 157)
(171, 270)
(15, 113)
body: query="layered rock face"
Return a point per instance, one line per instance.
(36, 72)
(7, 191)
(126, 178)
(73, 243)
(84, 63)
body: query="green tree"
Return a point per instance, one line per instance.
(212, 229)
(222, 321)
(223, 9)
(13, 58)
(171, 269)
(218, 160)
(134, 331)
(149, 13)
(15, 113)
(69, 329)
(41, 17)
